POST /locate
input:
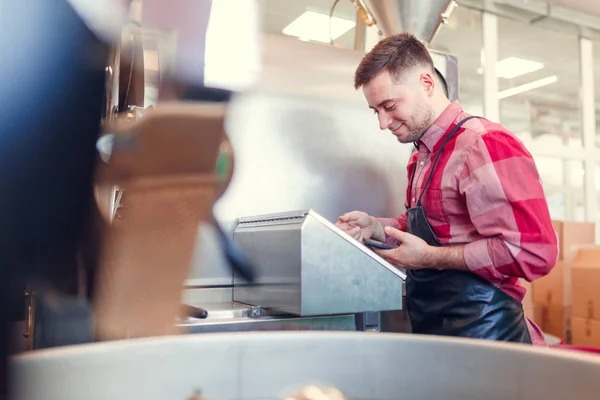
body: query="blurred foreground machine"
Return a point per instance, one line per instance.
(274, 365)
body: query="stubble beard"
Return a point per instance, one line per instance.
(422, 124)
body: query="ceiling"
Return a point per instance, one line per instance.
(553, 109)
(585, 6)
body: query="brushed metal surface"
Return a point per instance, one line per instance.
(307, 266)
(421, 18)
(247, 324)
(199, 296)
(268, 365)
(219, 311)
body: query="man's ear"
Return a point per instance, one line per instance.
(427, 81)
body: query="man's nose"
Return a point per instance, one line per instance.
(384, 121)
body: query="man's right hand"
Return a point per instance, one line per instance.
(361, 226)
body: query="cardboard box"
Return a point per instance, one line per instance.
(571, 235)
(558, 228)
(528, 299)
(555, 320)
(585, 272)
(586, 332)
(555, 288)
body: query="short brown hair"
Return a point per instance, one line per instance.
(395, 54)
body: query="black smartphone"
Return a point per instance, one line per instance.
(377, 244)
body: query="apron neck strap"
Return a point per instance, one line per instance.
(437, 157)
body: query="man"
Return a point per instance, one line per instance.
(476, 220)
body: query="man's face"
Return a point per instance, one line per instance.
(403, 108)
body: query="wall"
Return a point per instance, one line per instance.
(304, 139)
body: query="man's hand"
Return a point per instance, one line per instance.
(361, 226)
(410, 253)
(414, 253)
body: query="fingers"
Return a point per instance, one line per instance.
(353, 231)
(351, 216)
(343, 225)
(383, 253)
(396, 234)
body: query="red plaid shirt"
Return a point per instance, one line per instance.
(485, 194)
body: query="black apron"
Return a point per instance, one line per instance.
(457, 303)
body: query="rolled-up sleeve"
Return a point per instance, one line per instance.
(506, 204)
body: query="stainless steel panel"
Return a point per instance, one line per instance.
(307, 266)
(246, 324)
(197, 296)
(219, 311)
(276, 253)
(268, 365)
(236, 317)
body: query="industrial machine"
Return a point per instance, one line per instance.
(276, 365)
(307, 266)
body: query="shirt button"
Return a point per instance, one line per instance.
(413, 199)
(422, 163)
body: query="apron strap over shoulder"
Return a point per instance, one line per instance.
(450, 136)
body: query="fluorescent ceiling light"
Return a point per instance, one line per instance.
(512, 67)
(316, 27)
(526, 87)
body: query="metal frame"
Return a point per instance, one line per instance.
(491, 104)
(588, 123)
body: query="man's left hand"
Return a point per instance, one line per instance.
(412, 252)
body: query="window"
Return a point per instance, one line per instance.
(574, 191)
(462, 37)
(538, 72)
(552, 174)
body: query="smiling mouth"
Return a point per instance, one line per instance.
(395, 130)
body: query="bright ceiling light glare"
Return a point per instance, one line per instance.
(511, 67)
(312, 26)
(527, 86)
(232, 58)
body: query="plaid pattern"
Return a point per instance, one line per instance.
(486, 194)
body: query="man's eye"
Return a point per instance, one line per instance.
(390, 108)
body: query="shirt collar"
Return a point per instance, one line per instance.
(436, 131)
